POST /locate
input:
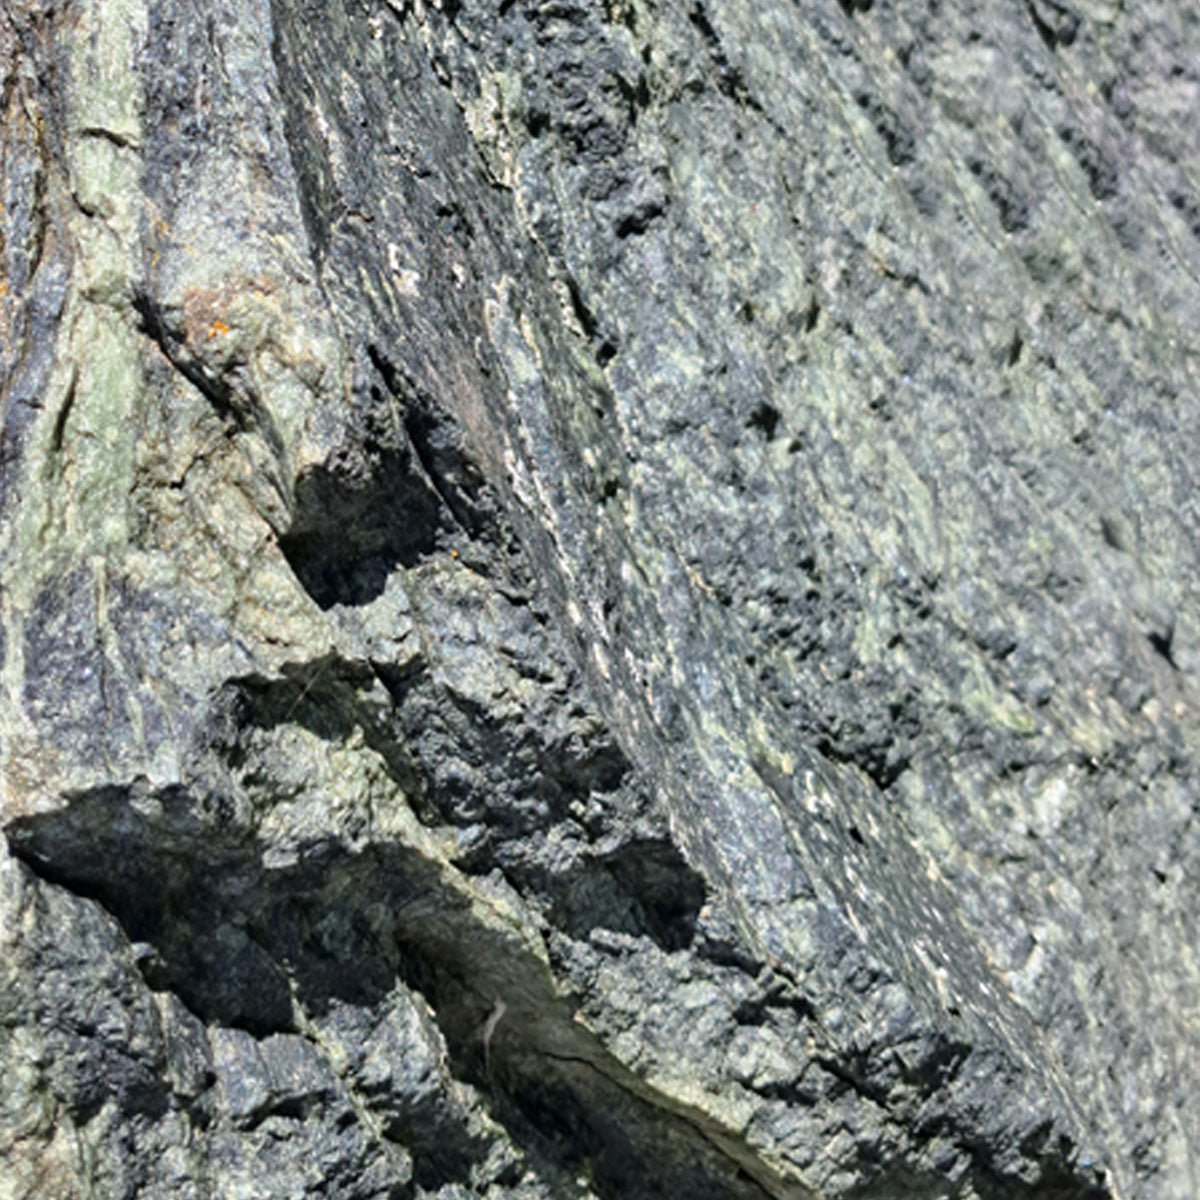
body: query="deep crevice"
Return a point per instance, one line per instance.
(206, 906)
(1161, 644)
(457, 482)
(356, 518)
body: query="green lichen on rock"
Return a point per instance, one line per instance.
(598, 599)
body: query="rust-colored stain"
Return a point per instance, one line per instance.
(208, 313)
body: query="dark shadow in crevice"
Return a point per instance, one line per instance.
(571, 1112)
(150, 859)
(1161, 644)
(238, 940)
(644, 887)
(357, 517)
(669, 893)
(438, 445)
(764, 418)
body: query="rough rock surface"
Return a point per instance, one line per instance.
(598, 598)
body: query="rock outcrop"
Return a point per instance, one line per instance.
(598, 598)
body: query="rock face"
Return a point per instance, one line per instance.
(599, 598)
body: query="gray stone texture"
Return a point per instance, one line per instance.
(598, 598)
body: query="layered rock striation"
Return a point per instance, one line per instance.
(598, 599)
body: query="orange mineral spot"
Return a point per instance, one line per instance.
(216, 329)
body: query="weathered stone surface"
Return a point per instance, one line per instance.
(599, 599)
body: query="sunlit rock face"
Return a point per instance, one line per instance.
(599, 599)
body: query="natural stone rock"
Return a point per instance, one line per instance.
(598, 598)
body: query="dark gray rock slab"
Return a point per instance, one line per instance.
(599, 599)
